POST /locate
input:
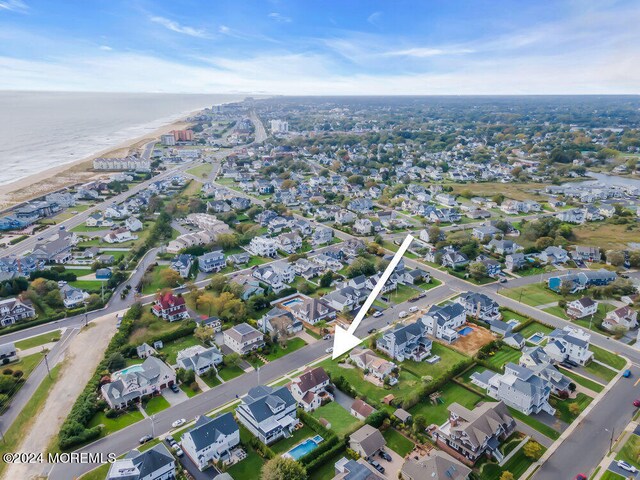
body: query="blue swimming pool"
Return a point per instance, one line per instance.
(465, 331)
(536, 338)
(293, 301)
(305, 447)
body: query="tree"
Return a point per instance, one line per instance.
(615, 258)
(574, 409)
(39, 285)
(218, 282)
(532, 450)
(227, 241)
(565, 288)
(232, 360)
(206, 300)
(280, 468)
(544, 242)
(419, 423)
(434, 233)
(116, 362)
(477, 270)
(506, 475)
(326, 279)
(169, 278)
(204, 333)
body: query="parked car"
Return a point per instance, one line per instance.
(413, 309)
(178, 423)
(170, 440)
(385, 455)
(329, 350)
(377, 313)
(179, 452)
(566, 365)
(403, 314)
(626, 466)
(571, 362)
(377, 466)
(580, 476)
(372, 330)
(145, 439)
(174, 388)
(626, 373)
(327, 337)
(502, 279)
(40, 238)
(636, 402)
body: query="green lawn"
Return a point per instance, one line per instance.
(114, 424)
(156, 280)
(609, 475)
(533, 294)
(228, 373)
(401, 294)
(201, 170)
(156, 404)
(187, 390)
(342, 422)
(533, 423)
(600, 371)
(535, 327)
(285, 444)
(26, 364)
(397, 442)
(171, 349)
(630, 450)
(562, 406)
(327, 470)
(450, 393)
(610, 358)
(292, 345)
(448, 358)
(585, 382)
(39, 340)
(249, 468)
(211, 379)
(517, 465)
(88, 285)
(503, 356)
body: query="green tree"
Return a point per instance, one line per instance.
(232, 360)
(280, 468)
(116, 362)
(506, 475)
(326, 279)
(532, 450)
(477, 270)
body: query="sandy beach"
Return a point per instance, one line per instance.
(79, 171)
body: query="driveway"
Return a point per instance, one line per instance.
(344, 400)
(174, 398)
(613, 467)
(391, 468)
(196, 474)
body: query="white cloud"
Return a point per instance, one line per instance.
(13, 6)
(224, 29)
(105, 48)
(425, 52)
(178, 28)
(374, 18)
(278, 17)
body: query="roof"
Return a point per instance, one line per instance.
(206, 430)
(369, 438)
(481, 422)
(136, 464)
(311, 378)
(437, 466)
(362, 408)
(262, 400)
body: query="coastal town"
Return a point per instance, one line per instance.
(203, 276)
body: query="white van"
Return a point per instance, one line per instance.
(403, 314)
(413, 309)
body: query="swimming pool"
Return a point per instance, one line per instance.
(303, 448)
(291, 302)
(465, 331)
(131, 369)
(513, 322)
(536, 338)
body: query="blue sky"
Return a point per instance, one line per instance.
(322, 47)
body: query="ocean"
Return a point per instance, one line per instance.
(41, 130)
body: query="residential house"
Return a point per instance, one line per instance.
(156, 463)
(454, 259)
(569, 344)
(280, 322)
(129, 385)
(581, 280)
(468, 435)
(263, 247)
(321, 236)
(367, 441)
(363, 226)
(373, 365)
(289, 242)
(211, 440)
(145, 350)
(170, 307)
(554, 255)
(72, 296)
(442, 321)
(238, 258)
(484, 232)
(347, 469)
(182, 264)
(57, 249)
(310, 388)
(97, 219)
(582, 307)
(518, 387)
(515, 262)
(479, 306)
(250, 286)
(13, 310)
(436, 465)
(133, 224)
(212, 261)
(120, 235)
(199, 359)
(625, 318)
(587, 254)
(406, 342)
(243, 338)
(270, 277)
(269, 413)
(503, 247)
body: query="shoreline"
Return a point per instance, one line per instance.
(78, 171)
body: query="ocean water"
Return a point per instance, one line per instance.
(41, 130)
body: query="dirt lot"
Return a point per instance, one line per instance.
(472, 342)
(81, 358)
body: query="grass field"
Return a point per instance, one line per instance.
(517, 465)
(342, 422)
(562, 406)
(503, 356)
(171, 349)
(149, 327)
(156, 404)
(450, 393)
(250, 467)
(448, 358)
(605, 235)
(229, 373)
(535, 327)
(629, 451)
(88, 285)
(585, 382)
(533, 294)
(401, 294)
(201, 170)
(600, 371)
(156, 280)
(609, 475)
(39, 340)
(292, 345)
(533, 423)
(397, 442)
(610, 358)
(114, 424)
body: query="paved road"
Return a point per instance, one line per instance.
(123, 440)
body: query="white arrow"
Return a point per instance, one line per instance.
(345, 340)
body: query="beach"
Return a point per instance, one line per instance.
(61, 176)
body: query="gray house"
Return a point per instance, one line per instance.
(406, 342)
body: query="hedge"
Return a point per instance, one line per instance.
(322, 459)
(13, 241)
(74, 430)
(33, 323)
(330, 438)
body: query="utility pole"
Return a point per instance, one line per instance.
(46, 362)
(153, 426)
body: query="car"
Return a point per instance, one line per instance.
(327, 337)
(377, 313)
(625, 466)
(377, 466)
(422, 295)
(385, 455)
(413, 309)
(145, 439)
(403, 314)
(502, 279)
(626, 373)
(329, 350)
(170, 440)
(179, 452)
(62, 227)
(40, 238)
(178, 423)
(174, 388)
(580, 476)
(372, 330)
(566, 365)
(636, 402)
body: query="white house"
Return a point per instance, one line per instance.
(582, 307)
(310, 388)
(623, 317)
(199, 359)
(263, 246)
(157, 463)
(442, 322)
(211, 440)
(569, 344)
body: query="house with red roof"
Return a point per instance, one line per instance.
(170, 307)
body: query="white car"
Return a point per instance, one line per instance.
(179, 452)
(626, 466)
(377, 313)
(329, 350)
(178, 423)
